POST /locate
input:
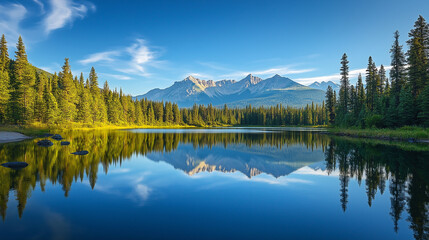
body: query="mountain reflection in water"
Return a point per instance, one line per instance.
(404, 167)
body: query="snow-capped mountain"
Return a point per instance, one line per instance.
(324, 85)
(250, 90)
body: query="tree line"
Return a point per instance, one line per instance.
(403, 100)
(31, 95)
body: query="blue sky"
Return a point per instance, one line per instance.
(140, 45)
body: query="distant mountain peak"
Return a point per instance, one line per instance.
(190, 78)
(324, 85)
(251, 79)
(249, 90)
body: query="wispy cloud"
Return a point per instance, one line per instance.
(45, 18)
(131, 60)
(41, 5)
(107, 56)
(334, 77)
(282, 70)
(141, 56)
(214, 66)
(115, 76)
(10, 18)
(198, 75)
(64, 12)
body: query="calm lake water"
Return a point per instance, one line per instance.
(215, 184)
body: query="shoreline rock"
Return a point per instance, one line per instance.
(6, 137)
(45, 143)
(81, 153)
(57, 137)
(15, 165)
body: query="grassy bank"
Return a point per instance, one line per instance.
(30, 131)
(404, 133)
(37, 129)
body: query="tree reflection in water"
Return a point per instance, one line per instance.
(404, 166)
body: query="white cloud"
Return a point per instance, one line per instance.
(116, 76)
(59, 14)
(100, 57)
(282, 70)
(335, 77)
(142, 192)
(132, 60)
(119, 170)
(310, 171)
(141, 56)
(198, 75)
(41, 5)
(10, 19)
(64, 12)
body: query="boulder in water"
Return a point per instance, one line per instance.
(45, 135)
(65, 143)
(80, 153)
(57, 137)
(15, 165)
(45, 143)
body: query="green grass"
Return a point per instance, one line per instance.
(31, 131)
(35, 129)
(406, 146)
(395, 134)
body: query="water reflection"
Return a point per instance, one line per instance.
(406, 171)
(403, 167)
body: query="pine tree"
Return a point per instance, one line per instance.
(83, 106)
(353, 101)
(381, 80)
(423, 116)
(360, 94)
(392, 112)
(176, 114)
(51, 106)
(345, 86)
(22, 96)
(139, 113)
(418, 71)
(67, 95)
(4, 96)
(40, 106)
(151, 115)
(93, 81)
(406, 109)
(398, 71)
(371, 84)
(4, 55)
(98, 107)
(168, 113)
(330, 105)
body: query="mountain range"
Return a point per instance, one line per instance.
(324, 85)
(251, 162)
(250, 90)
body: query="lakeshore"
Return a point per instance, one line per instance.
(6, 137)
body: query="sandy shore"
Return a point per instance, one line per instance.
(6, 137)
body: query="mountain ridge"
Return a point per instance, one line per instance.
(324, 85)
(249, 90)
